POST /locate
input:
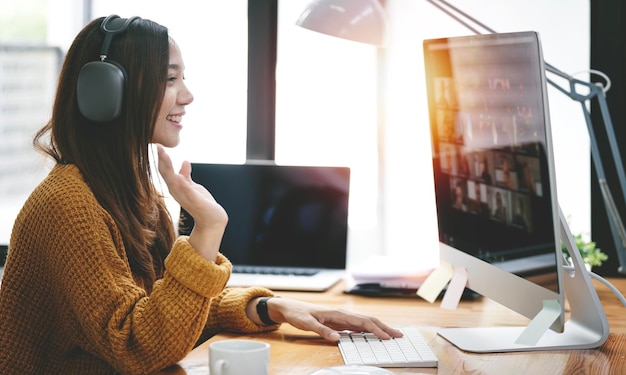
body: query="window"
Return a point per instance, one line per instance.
(326, 114)
(214, 46)
(28, 74)
(410, 224)
(213, 42)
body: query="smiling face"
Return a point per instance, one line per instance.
(176, 97)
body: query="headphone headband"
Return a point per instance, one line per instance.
(119, 25)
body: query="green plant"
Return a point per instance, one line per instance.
(591, 254)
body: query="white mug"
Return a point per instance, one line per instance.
(239, 357)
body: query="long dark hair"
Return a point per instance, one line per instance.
(114, 157)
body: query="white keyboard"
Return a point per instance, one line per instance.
(410, 350)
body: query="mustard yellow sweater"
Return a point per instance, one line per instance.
(69, 305)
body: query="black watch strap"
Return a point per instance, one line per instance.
(261, 309)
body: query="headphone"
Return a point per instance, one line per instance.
(100, 85)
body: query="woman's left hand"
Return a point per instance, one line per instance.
(326, 321)
(210, 218)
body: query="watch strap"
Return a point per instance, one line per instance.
(261, 309)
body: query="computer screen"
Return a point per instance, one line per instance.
(493, 166)
(279, 215)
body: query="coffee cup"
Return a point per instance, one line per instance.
(239, 357)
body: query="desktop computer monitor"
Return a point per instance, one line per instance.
(497, 210)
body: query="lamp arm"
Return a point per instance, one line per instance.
(459, 16)
(596, 90)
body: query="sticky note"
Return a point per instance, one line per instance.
(455, 289)
(540, 324)
(435, 282)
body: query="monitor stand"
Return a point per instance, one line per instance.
(586, 328)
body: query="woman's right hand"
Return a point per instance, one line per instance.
(210, 218)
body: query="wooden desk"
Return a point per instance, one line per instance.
(296, 352)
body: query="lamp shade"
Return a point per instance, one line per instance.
(358, 20)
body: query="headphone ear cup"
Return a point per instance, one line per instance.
(100, 90)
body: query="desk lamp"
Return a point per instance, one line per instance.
(362, 21)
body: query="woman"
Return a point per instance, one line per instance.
(96, 281)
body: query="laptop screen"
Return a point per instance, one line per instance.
(278, 215)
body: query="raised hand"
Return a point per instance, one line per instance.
(210, 218)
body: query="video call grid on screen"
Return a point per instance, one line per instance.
(489, 146)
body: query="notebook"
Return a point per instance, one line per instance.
(287, 225)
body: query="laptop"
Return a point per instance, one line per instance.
(287, 225)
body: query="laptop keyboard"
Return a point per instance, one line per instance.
(410, 350)
(257, 270)
(285, 278)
